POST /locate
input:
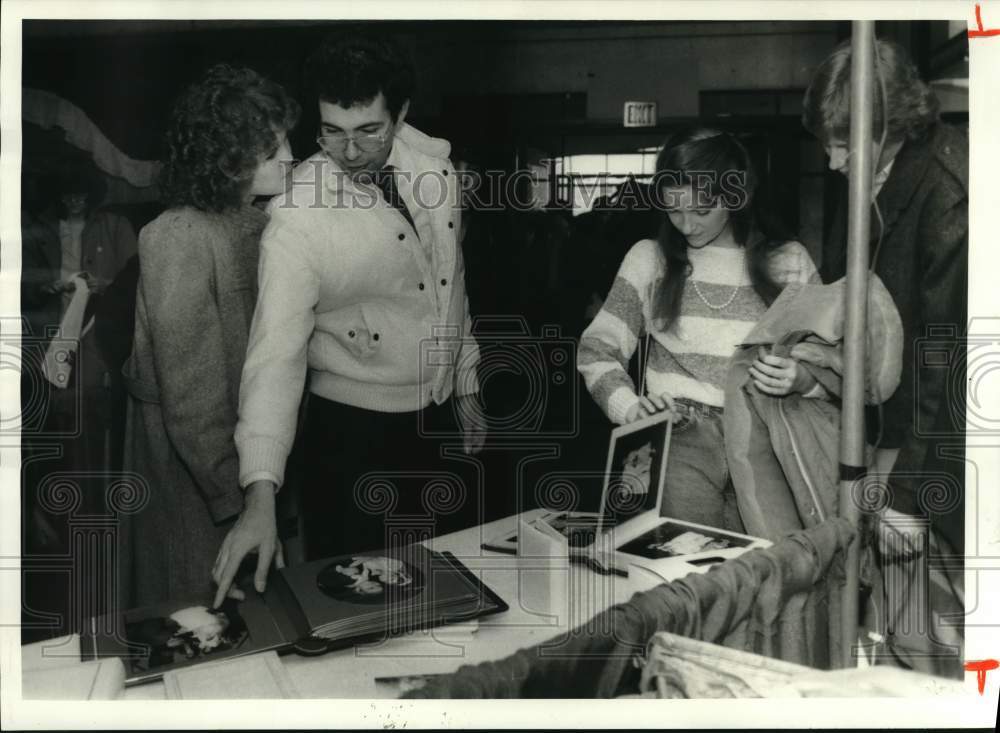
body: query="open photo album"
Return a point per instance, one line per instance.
(627, 529)
(310, 608)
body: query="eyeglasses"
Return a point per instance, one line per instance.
(337, 143)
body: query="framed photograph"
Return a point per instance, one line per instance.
(635, 470)
(634, 477)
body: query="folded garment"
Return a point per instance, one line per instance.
(59, 357)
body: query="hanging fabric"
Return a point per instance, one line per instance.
(48, 110)
(782, 602)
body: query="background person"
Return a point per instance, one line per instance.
(72, 237)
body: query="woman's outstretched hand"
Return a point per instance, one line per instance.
(779, 375)
(648, 406)
(256, 530)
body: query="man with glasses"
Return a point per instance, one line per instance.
(362, 290)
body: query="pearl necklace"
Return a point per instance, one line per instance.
(732, 296)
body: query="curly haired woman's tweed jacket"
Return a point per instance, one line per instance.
(196, 296)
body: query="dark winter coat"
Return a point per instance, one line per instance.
(923, 261)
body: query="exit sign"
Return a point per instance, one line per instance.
(640, 114)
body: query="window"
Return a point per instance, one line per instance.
(582, 179)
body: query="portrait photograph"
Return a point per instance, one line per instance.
(369, 580)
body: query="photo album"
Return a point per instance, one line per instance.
(627, 529)
(310, 608)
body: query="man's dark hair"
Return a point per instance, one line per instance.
(352, 69)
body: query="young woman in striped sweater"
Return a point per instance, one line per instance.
(691, 297)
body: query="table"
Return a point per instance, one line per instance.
(350, 673)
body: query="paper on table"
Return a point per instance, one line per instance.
(261, 676)
(99, 680)
(59, 652)
(543, 571)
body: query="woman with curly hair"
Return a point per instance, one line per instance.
(226, 144)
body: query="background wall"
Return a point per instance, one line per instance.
(125, 73)
(505, 93)
(665, 62)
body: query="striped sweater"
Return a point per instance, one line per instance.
(690, 359)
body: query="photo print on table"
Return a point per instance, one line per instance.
(676, 540)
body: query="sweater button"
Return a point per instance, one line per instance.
(375, 337)
(451, 225)
(445, 172)
(421, 286)
(444, 281)
(402, 237)
(351, 334)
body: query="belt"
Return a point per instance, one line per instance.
(687, 406)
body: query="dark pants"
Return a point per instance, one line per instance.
(374, 479)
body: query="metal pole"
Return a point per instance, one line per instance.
(852, 430)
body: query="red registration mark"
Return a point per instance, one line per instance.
(981, 667)
(981, 32)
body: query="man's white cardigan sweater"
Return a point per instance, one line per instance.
(374, 310)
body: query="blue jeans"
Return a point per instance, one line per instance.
(698, 487)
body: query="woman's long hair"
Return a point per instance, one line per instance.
(716, 166)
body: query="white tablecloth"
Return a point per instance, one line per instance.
(351, 672)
